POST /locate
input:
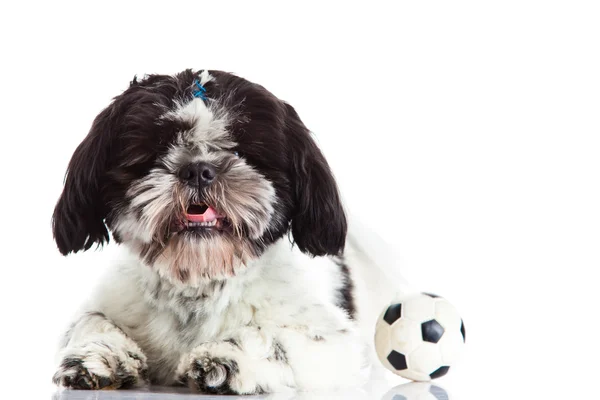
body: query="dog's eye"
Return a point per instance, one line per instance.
(236, 153)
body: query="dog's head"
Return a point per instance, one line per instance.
(198, 173)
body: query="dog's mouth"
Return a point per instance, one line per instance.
(202, 217)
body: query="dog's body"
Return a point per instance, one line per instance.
(282, 323)
(235, 278)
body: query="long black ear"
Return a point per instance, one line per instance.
(319, 223)
(78, 220)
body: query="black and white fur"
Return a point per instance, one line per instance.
(267, 303)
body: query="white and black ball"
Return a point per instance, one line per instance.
(419, 337)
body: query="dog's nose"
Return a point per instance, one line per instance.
(198, 174)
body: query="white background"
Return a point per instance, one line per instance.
(467, 133)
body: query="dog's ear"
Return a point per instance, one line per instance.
(78, 220)
(319, 223)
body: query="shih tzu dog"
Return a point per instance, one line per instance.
(235, 277)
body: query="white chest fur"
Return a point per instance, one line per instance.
(284, 288)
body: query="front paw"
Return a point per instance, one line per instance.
(98, 366)
(208, 374)
(220, 368)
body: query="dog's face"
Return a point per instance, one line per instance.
(198, 173)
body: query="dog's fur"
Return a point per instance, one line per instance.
(267, 303)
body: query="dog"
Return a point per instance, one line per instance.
(237, 275)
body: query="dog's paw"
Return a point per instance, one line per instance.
(211, 375)
(98, 366)
(217, 368)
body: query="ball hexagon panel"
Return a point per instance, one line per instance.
(382, 342)
(382, 334)
(432, 331)
(462, 330)
(446, 315)
(397, 360)
(405, 336)
(425, 359)
(450, 347)
(393, 313)
(435, 296)
(419, 308)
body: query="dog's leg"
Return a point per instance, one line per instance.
(261, 359)
(97, 354)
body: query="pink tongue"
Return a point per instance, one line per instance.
(209, 216)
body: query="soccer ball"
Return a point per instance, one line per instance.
(419, 337)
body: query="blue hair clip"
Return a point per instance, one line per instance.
(199, 90)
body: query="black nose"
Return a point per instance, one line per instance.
(198, 174)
